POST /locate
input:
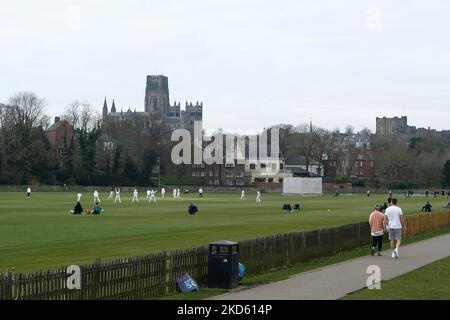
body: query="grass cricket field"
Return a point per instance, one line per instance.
(38, 233)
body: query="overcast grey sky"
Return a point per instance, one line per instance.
(253, 63)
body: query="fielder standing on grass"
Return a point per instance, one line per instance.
(152, 196)
(396, 225)
(135, 196)
(258, 196)
(29, 192)
(96, 198)
(163, 192)
(117, 196)
(111, 194)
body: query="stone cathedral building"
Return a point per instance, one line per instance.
(157, 103)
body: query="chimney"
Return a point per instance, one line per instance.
(57, 119)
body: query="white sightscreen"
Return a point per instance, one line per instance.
(302, 185)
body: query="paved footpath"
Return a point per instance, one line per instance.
(335, 281)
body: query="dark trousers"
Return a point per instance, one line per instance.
(377, 241)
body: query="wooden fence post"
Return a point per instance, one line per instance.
(6, 290)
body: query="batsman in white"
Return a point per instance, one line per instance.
(242, 195)
(258, 196)
(152, 196)
(135, 196)
(96, 198)
(163, 192)
(117, 196)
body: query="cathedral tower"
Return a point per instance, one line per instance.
(157, 95)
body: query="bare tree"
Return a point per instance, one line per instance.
(325, 146)
(311, 144)
(82, 115)
(27, 109)
(349, 130)
(365, 132)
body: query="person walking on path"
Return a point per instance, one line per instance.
(377, 222)
(396, 225)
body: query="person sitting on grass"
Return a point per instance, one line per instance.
(287, 207)
(78, 209)
(192, 209)
(427, 207)
(97, 209)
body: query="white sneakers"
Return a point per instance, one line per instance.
(394, 254)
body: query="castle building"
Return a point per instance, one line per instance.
(157, 103)
(394, 125)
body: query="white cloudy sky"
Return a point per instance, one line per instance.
(253, 63)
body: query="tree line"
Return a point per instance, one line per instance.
(402, 162)
(25, 150)
(140, 156)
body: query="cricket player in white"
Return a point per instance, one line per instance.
(111, 194)
(174, 193)
(163, 192)
(117, 196)
(152, 196)
(29, 192)
(258, 196)
(135, 196)
(242, 195)
(96, 198)
(79, 197)
(148, 195)
(178, 193)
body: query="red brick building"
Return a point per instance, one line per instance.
(350, 163)
(60, 136)
(231, 174)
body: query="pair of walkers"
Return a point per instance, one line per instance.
(391, 221)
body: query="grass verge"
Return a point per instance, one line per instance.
(431, 282)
